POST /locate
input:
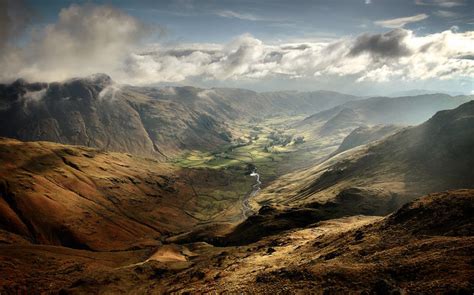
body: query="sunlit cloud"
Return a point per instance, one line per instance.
(441, 3)
(89, 39)
(398, 54)
(401, 21)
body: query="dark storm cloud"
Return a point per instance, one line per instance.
(388, 45)
(469, 57)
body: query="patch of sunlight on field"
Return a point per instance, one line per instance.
(254, 144)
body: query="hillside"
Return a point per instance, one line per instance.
(365, 134)
(409, 251)
(431, 157)
(85, 198)
(81, 220)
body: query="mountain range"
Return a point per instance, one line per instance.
(108, 188)
(155, 122)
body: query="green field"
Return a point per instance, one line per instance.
(264, 145)
(225, 170)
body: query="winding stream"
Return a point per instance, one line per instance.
(246, 209)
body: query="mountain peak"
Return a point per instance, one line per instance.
(99, 79)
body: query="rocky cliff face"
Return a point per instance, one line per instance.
(96, 112)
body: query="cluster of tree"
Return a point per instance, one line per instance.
(298, 140)
(279, 138)
(225, 135)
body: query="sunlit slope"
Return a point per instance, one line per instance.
(425, 246)
(89, 199)
(433, 156)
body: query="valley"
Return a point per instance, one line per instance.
(176, 189)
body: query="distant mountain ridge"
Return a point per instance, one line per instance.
(434, 156)
(407, 110)
(157, 122)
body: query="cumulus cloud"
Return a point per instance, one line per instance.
(401, 21)
(86, 39)
(398, 54)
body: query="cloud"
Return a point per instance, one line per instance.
(89, 39)
(440, 3)
(395, 55)
(401, 22)
(446, 13)
(237, 15)
(86, 39)
(14, 18)
(391, 44)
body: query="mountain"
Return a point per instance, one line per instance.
(122, 189)
(84, 198)
(87, 199)
(433, 156)
(95, 112)
(155, 122)
(407, 110)
(306, 102)
(325, 131)
(365, 134)
(414, 92)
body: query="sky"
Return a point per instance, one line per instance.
(355, 46)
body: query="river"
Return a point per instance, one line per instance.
(246, 209)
